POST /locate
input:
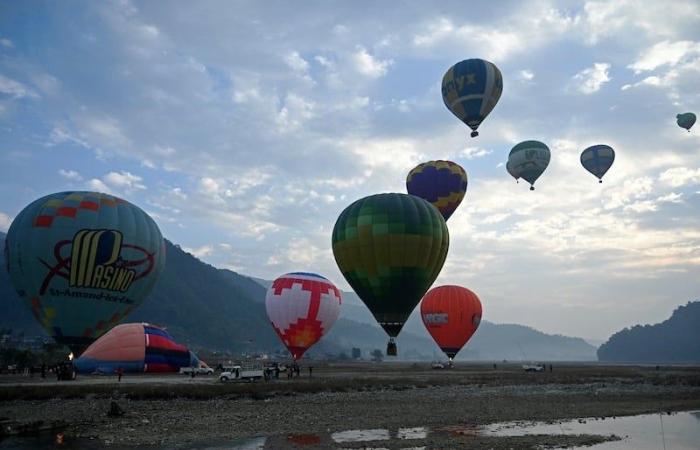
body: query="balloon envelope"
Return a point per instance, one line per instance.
(471, 89)
(82, 261)
(451, 314)
(442, 183)
(598, 159)
(302, 307)
(511, 171)
(390, 248)
(686, 120)
(135, 347)
(529, 159)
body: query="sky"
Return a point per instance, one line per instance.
(245, 128)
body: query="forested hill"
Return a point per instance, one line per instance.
(675, 340)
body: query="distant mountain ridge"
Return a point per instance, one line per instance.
(218, 309)
(675, 340)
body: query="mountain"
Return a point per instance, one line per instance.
(676, 340)
(218, 309)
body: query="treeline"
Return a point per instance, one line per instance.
(675, 340)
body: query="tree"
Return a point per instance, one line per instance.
(356, 353)
(377, 355)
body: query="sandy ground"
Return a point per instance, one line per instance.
(351, 397)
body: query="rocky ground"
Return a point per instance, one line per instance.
(288, 415)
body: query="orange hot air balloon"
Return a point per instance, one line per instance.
(451, 314)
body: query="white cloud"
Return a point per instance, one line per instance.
(6, 43)
(591, 79)
(665, 53)
(70, 175)
(124, 180)
(296, 62)
(200, 252)
(672, 197)
(474, 152)
(369, 65)
(526, 75)
(98, 185)
(5, 222)
(15, 88)
(680, 176)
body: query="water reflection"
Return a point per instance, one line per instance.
(679, 431)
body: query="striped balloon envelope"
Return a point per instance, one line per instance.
(441, 183)
(302, 307)
(598, 159)
(451, 315)
(135, 347)
(471, 89)
(82, 261)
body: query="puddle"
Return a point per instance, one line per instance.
(679, 431)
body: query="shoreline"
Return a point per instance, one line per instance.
(171, 411)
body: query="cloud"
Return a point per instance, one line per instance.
(680, 176)
(16, 89)
(200, 252)
(98, 185)
(526, 75)
(369, 65)
(590, 80)
(5, 221)
(474, 152)
(70, 175)
(124, 180)
(6, 43)
(665, 53)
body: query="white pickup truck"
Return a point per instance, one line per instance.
(241, 373)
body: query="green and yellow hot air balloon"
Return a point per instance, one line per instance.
(82, 261)
(390, 248)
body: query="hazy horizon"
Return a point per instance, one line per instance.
(244, 129)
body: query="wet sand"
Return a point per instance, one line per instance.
(175, 411)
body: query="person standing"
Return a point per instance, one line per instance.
(310, 370)
(120, 372)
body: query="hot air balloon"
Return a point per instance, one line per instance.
(451, 314)
(529, 159)
(598, 159)
(442, 183)
(686, 120)
(82, 261)
(471, 89)
(136, 347)
(512, 172)
(302, 307)
(390, 248)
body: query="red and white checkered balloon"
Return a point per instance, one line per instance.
(302, 307)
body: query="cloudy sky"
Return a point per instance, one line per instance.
(245, 128)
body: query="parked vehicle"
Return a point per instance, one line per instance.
(250, 373)
(533, 367)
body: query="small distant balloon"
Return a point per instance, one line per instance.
(597, 159)
(441, 183)
(529, 159)
(471, 89)
(686, 120)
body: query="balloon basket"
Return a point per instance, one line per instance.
(474, 134)
(532, 188)
(391, 348)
